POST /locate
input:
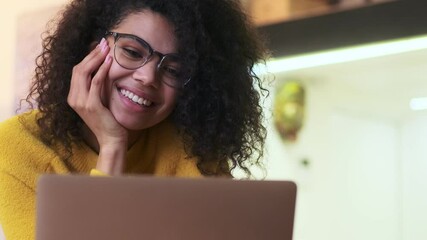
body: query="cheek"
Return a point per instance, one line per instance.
(115, 73)
(171, 97)
(108, 86)
(106, 93)
(115, 70)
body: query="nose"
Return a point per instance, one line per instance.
(147, 74)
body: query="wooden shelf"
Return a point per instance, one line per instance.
(378, 22)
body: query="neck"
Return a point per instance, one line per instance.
(90, 138)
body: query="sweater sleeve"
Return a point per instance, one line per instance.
(96, 173)
(17, 208)
(22, 159)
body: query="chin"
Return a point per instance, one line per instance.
(137, 121)
(134, 126)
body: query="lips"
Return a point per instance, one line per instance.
(135, 98)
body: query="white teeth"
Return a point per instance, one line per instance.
(135, 98)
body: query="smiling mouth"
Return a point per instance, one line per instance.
(135, 98)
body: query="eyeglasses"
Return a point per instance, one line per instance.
(132, 52)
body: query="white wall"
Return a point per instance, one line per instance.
(8, 20)
(366, 177)
(350, 188)
(414, 167)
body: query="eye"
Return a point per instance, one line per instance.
(171, 71)
(132, 53)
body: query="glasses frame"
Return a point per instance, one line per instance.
(117, 36)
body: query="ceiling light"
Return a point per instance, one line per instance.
(417, 104)
(342, 55)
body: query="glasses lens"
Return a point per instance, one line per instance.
(131, 53)
(173, 71)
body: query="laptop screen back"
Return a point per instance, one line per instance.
(143, 207)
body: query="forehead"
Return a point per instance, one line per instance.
(154, 28)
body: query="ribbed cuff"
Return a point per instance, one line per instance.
(96, 173)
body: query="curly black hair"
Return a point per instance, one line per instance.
(219, 113)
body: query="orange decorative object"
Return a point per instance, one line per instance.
(289, 110)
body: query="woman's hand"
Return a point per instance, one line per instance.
(85, 97)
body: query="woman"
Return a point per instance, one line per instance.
(162, 87)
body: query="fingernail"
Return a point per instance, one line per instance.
(104, 47)
(100, 44)
(107, 59)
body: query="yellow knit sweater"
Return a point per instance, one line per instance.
(23, 158)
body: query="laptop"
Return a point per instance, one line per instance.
(163, 208)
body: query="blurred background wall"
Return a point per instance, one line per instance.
(10, 16)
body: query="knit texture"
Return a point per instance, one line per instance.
(24, 157)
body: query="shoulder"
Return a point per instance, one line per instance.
(165, 134)
(17, 131)
(172, 151)
(22, 153)
(171, 155)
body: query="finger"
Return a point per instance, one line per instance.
(98, 80)
(95, 58)
(82, 73)
(87, 66)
